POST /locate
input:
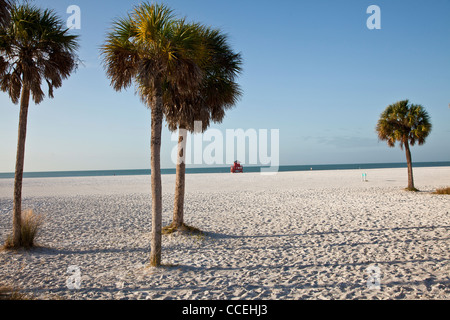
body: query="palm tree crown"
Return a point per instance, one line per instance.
(150, 45)
(217, 92)
(34, 47)
(404, 123)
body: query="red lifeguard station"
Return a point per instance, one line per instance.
(236, 167)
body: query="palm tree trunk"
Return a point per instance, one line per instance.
(178, 206)
(155, 146)
(18, 176)
(410, 169)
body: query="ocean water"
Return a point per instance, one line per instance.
(134, 172)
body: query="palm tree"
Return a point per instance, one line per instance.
(407, 124)
(34, 47)
(153, 49)
(217, 93)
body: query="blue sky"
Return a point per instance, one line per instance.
(312, 69)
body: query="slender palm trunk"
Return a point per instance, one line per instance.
(410, 169)
(18, 176)
(178, 206)
(155, 145)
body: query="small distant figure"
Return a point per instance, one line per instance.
(364, 177)
(237, 167)
(311, 169)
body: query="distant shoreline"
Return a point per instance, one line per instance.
(284, 168)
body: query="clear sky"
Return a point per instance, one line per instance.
(312, 69)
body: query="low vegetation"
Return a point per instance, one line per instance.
(31, 225)
(10, 293)
(183, 229)
(442, 191)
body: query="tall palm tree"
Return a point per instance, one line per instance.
(34, 47)
(152, 49)
(407, 124)
(218, 92)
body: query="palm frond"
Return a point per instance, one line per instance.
(218, 91)
(5, 15)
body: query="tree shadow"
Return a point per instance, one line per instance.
(301, 266)
(42, 250)
(307, 283)
(217, 235)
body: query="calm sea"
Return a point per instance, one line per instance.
(93, 173)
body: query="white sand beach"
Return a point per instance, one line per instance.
(293, 235)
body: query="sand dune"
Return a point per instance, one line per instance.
(294, 235)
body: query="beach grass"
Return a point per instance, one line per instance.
(11, 293)
(14, 293)
(31, 225)
(184, 228)
(442, 191)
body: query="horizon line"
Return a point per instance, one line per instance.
(228, 166)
